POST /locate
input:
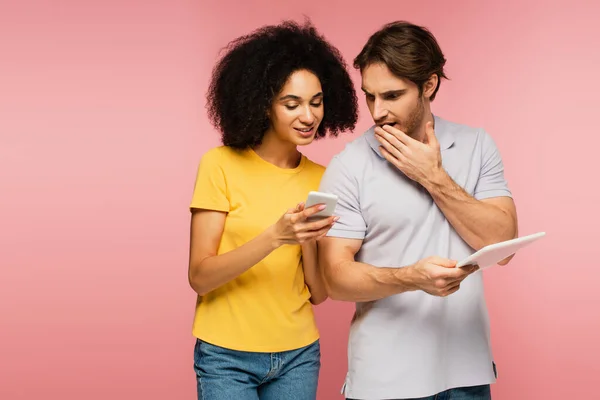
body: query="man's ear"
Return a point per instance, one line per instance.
(430, 86)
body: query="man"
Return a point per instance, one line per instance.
(416, 194)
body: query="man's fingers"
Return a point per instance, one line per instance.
(442, 262)
(430, 137)
(391, 142)
(458, 274)
(469, 269)
(398, 162)
(473, 267)
(394, 149)
(397, 133)
(452, 289)
(446, 276)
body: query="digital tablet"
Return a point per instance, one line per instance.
(492, 254)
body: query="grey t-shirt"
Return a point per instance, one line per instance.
(414, 344)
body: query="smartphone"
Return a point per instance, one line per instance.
(330, 201)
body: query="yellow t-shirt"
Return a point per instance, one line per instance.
(267, 308)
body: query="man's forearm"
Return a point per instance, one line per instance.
(312, 273)
(478, 223)
(359, 282)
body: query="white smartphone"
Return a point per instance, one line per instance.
(330, 201)
(492, 254)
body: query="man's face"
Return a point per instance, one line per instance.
(393, 101)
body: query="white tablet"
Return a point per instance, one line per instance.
(490, 255)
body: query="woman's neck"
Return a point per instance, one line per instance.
(277, 152)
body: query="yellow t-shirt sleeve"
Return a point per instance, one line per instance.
(210, 190)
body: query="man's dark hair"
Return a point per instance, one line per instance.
(256, 66)
(409, 51)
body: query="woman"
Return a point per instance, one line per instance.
(252, 263)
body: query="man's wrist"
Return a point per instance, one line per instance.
(404, 278)
(436, 180)
(399, 280)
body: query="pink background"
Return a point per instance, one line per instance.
(102, 123)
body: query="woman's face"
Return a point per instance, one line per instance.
(297, 110)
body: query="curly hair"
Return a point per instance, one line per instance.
(254, 70)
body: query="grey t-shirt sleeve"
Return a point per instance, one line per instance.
(339, 180)
(491, 182)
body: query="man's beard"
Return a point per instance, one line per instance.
(415, 120)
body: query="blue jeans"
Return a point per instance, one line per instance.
(463, 393)
(223, 374)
